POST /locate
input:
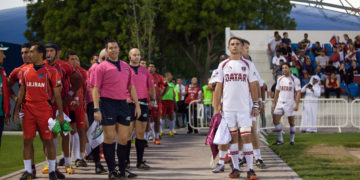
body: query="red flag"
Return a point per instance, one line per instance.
(333, 41)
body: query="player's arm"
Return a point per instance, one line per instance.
(217, 97)
(19, 100)
(255, 97)
(12, 93)
(96, 99)
(298, 93)
(276, 97)
(58, 101)
(134, 97)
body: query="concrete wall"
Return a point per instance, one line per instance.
(260, 38)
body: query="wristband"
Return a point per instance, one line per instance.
(96, 109)
(76, 98)
(70, 93)
(256, 105)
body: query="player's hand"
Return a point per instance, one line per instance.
(255, 112)
(97, 116)
(151, 103)
(7, 119)
(273, 107)
(137, 111)
(296, 108)
(60, 117)
(74, 103)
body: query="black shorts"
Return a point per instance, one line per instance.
(90, 112)
(114, 111)
(145, 114)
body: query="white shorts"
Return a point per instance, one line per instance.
(285, 108)
(237, 119)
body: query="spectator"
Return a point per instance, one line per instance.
(276, 59)
(328, 70)
(285, 51)
(273, 42)
(272, 89)
(193, 93)
(354, 69)
(318, 71)
(343, 75)
(305, 79)
(347, 40)
(286, 39)
(317, 49)
(207, 100)
(335, 58)
(351, 54)
(312, 92)
(180, 103)
(357, 42)
(294, 69)
(278, 69)
(305, 41)
(4, 95)
(332, 85)
(322, 60)
(308, 66)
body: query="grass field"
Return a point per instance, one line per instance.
(11, 158)
(321, 156)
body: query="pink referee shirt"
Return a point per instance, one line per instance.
(142, 82)
(90, 82)
(113, 82)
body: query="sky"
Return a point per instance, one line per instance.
(6, 4)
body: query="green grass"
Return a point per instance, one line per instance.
(11, 158)
(311, 167)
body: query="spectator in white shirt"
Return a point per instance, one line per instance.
(322, 60)
(276, 59)
(273, 42)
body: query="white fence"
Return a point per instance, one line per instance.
(331, 113)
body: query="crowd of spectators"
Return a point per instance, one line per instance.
(336, 62)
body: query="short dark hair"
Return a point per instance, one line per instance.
(70, 53)
(26, 45)
(276, 33)
(96, 54)
(284, 33)
(237, 38)
(110, 41)
(152, 64)
(287, 64)
(40, 48)
(244, 41)
(142, 59)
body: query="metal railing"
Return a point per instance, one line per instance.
(203, 111)
(331, 113)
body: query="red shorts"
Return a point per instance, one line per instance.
(156, 112)
(36, 116)
(80, 117)
(167, 107)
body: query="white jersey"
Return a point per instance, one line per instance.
(261, 81)
(235, 76)
(288, 86)
(213, 75)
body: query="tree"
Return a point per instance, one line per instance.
(85, 25)
(199, 26)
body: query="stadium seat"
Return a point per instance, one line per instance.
(294, 46)
(354, 90)
(329, 49)
(344, 88)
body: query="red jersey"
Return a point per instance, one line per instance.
(65, 70)
(39, 84)
(192, 93)
(14, 75)
(83, 74)
(159, 83)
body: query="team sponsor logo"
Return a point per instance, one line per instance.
(145, 115)
(285, 88)
(128, 118)
(235, 77)
(243, 68)
(35, 84)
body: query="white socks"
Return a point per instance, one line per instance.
(52, 164)
(278, 129)
(222, 157)
(162, 123)
(156, 135)
(171, 125)
(67, 161)
(248, 152)
(257, 154)
(27, 164)
(152, 124)
(234, 153)
(76, 146)
(292, 133)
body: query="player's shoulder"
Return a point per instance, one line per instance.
(295, 78)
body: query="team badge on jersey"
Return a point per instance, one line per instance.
(243, 68)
